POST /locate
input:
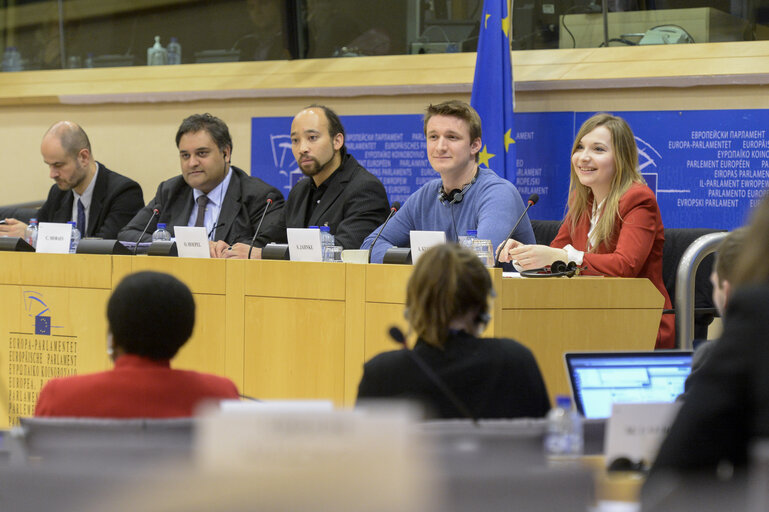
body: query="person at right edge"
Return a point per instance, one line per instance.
(727, 401)
(613, 225)
(447, 301)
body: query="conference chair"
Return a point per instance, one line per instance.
(130, 441)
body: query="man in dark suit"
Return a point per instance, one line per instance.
(337, 191)
(211, 193)
(99, 200)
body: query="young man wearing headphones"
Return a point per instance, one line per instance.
(464, 197)
(210, 193)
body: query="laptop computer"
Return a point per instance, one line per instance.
(600, 379)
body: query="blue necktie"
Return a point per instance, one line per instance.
(81, 217)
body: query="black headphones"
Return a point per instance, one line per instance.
(557, 269)
(455, 196)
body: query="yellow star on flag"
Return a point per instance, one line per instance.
(506, 25)
(484, 156)
(508, 139)
(486, 21)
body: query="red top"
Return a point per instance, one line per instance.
(635, 249)
(137, 387)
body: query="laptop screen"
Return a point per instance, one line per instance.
(599, 379)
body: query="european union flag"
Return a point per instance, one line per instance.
(493, 89)
(43, 325)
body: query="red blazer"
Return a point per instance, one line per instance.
(635, 249)
(136, 387)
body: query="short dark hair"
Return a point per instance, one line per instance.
(334, 123)
(151, 314)
(215, 127)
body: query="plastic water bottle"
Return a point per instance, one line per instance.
(30, 235)
(467, 242)
(563, 437)
(161, 234)
(74, 239)
(326, 238)
(11, 59)
(174, 51)
(156, 54)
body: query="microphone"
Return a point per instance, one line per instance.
(398, 337)
(533, 198)
(394, 208)
(155, 213)
(264, 212)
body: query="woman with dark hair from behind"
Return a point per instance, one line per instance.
(447, 303)
(727, 403)
(151, 316)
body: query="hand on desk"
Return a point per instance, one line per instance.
(218, 248)
(13, 227)
(240, 251)
(531, 256)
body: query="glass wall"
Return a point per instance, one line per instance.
(54, 34)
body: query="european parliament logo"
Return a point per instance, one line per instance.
(648, 158)
(284, 161)
(36, 307)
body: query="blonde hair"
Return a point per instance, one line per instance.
(448, 281)
(750, 266)
(626, 173)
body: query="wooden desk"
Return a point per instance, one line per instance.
(287, 329)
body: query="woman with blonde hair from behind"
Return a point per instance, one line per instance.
(447, 303)
(613, 226)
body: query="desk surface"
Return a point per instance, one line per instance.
(283, 329)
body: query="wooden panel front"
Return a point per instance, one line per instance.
(294, 348)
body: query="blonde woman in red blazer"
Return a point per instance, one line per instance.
(613, 226)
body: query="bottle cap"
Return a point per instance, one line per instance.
(325, 229)
(563, 401)
(472, 232)
(161, 225)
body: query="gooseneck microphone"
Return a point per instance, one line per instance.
(533, 198)
(259, 226)
(155, 213)
(394, 208)
(398, 337)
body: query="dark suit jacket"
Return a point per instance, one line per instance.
(727, 403)
(242, 207)
(353, 206)
(136, 388)
(494, 378)
(115, 201)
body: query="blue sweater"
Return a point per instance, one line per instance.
(491, 205)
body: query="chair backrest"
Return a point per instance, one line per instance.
(545, 230)
(135, 440)
(676, 243)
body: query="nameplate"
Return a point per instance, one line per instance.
(636, 431)
(192, 242)
(304, 244)
(338, 458)
(53, 237)
(423, 240)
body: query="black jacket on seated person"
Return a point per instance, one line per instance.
(352, 206)
(115, 201)
(726, 406)
(494, 378)
(242, 207)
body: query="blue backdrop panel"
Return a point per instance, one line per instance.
(708, 168)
